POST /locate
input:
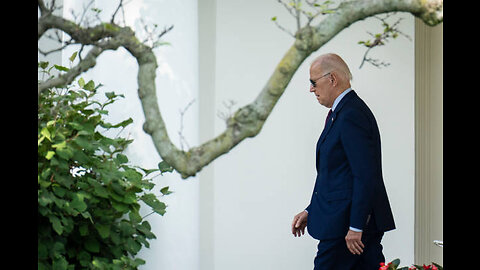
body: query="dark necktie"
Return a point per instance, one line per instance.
(328, 116)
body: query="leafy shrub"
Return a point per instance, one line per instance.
(88, 194)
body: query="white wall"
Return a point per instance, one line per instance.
(176, 246)
(262, 183)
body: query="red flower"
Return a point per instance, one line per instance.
(383, 266)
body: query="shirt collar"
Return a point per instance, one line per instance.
(337, 100)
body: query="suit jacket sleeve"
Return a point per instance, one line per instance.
(360, 148)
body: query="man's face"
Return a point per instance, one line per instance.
(321, 85)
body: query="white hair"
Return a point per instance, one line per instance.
(332, 62)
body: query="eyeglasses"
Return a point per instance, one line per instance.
(314, 83)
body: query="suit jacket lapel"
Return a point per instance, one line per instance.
(333, 116)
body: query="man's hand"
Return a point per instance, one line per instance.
(354, 242)
(299, 223)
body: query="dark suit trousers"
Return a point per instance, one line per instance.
(333, 254)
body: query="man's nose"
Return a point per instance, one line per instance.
(312, 89)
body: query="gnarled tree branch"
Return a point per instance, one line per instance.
(247, 121)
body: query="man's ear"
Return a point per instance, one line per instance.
(333, 78)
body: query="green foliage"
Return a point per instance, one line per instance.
(389, 31)
(88, 194)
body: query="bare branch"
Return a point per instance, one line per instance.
(43, 8)
(85, 10)
(274, 19)
(180, 132)
(45, 53)
(120, 5)
(289, 8)
(152, 37)
(228, 106)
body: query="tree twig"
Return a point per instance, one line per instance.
(180, 132)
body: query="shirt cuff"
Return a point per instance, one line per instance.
(355, 229)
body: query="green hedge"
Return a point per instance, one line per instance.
(88, 193)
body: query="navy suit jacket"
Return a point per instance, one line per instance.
(349, 184)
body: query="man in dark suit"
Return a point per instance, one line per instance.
(349, 209)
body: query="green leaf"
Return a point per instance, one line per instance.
(121, 158)
(78, 203)
(148, 171)
(65, 153)
(81, 157)
(99, 190)
(45, 132)
(124, 123)
(61, 68)
(86, 214)
(138, 262)
(57, 226)
(60, 146)
(161, 43)
(59, 191)
(40, 140)
(85, 143)
(164, 167)
(51, 123)
(103, 230)
(274, 18)
(120, 207)
(81, 82)
(396, 262)
(59, 264)
(145, 229)
(165, 191)
(134, 216)
(92, 245)
(130, 198)
(154, 203)
(73, 56)
(132, 175)
(43, 64)
(84, 258)
(133, 246)
(90, 86)
(49, 155)
(110, 95)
